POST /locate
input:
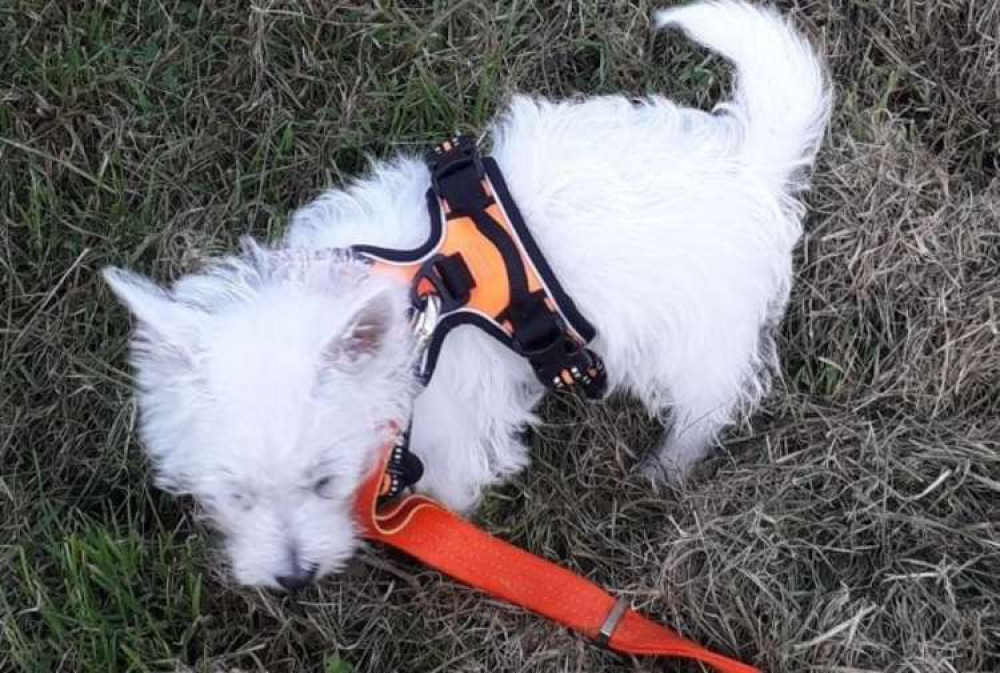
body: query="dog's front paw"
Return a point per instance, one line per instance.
(459, 498)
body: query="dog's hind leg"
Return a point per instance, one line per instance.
(693, 427)
(707, 393)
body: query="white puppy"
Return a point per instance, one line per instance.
(265, 382)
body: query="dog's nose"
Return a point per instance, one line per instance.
(302, 577)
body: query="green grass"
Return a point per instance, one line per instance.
(850, 525)
(100, 605)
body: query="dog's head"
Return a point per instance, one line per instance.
(265, 384)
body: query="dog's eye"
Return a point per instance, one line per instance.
(243, 501)
(323, 487)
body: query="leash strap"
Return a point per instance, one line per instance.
(420, 527)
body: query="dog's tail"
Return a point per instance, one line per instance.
(782, 98)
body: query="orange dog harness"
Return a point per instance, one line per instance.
(482, 265)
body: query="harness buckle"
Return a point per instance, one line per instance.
(567, 365)
(561, 362)
(451, 177)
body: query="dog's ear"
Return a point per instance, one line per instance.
(367, 329)
(164, 325)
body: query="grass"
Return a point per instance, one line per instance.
(850, 525)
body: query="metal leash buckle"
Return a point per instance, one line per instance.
(611, 622)
(424, 320)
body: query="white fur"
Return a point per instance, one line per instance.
(671, 228)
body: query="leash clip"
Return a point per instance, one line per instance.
(611, 622)
(424, 320)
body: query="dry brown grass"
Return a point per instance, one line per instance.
(850, 525)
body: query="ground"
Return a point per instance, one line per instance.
(851, 524)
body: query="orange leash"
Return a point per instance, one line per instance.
(423, 529)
